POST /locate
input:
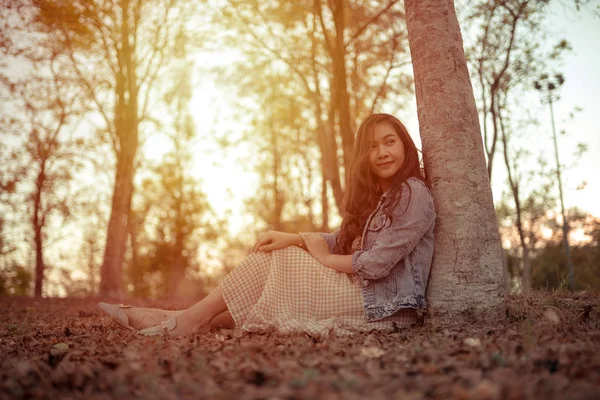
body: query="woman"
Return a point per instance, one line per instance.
(370, 274)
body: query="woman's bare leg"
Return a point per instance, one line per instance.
(210, 312)
(199, 316)
(223, 320)
(142, 317)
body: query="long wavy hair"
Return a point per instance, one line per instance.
(362, 187)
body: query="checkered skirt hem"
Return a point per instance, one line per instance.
(290, 291)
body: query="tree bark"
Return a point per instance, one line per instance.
(126, 126)
(467, 266)
(112, 268)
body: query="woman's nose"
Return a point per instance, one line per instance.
(381, 152)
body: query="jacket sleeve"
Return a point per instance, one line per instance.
(400, 237)
(330, 238)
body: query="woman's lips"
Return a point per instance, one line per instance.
(385, 165)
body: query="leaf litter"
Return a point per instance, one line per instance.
(546, 346)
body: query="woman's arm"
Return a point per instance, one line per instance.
(275, 240)
(330, 238)
(318, 247)
(342, 263)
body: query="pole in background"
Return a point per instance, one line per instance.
(547, 85)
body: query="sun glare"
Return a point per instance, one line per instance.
(224, 177)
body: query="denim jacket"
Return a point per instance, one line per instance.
(395, 256)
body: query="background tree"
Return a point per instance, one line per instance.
(50, 107)
(172, 218)
(504, 62)
(549, 265)
(367, 42)
(130, 43)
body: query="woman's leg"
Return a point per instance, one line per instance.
(199, 316)
(142, 317)
(223, 320)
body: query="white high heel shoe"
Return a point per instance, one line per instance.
(116, 314)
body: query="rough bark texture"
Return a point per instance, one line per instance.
(467, 266)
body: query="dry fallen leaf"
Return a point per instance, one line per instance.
(61, 346)
(551, 315)
(372, 351)
(472, 342)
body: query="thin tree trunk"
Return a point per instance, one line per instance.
(112, 269)
(328, 168)
(342, 101)
(514, 188)
(324, 204)
(278, 200)
(335, 180)
(38, 225)
(492, 152)
(506, 272)
(467, 263)
(127, 133)
(91, 264)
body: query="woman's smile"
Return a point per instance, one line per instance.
(385, 164)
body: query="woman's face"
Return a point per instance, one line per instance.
(386, 154)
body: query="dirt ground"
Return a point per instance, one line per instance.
(546, 347)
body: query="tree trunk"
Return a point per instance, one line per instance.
(278, 196)
(112, 268)
(506, 272)
(324, 202)
(335, 180)
(126, 126)
(38, 225)
(514, 188)
(467, 263)
(341, 99)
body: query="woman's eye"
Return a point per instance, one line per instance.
(390, 142)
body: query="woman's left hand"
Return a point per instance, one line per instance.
(316, 246)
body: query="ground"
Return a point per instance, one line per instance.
(545, 347)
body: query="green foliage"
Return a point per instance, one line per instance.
(550, 269)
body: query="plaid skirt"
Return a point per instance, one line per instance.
(290, 291)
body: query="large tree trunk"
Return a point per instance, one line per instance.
(126, 125)
(467, 264)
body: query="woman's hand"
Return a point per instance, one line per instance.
(275, 240)
(316, 246)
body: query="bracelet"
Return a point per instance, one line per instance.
(302, 244)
